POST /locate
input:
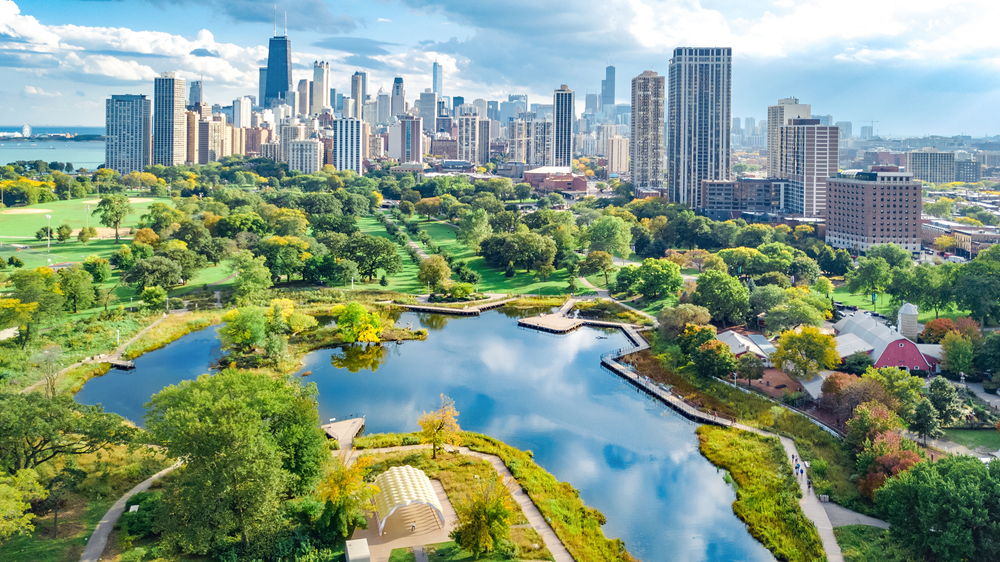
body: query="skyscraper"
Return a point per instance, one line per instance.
(540, 143)
(810, 153)
(591, 103)
(427, 104)
(128, 126)
(646, 146)
(493, 110)
(397, 102)
(279, 69)
(384, 108)
(362, 80)
(564, 113)
(608, 87)
(437, 79)
(169, 122)
(321, 87)
(846, 129)
(357, 94)
(698, 120)
(262, 87)
(405, 138)
(241, 112)
(777, 117)
(348, 150)
(197, 94)
(468, 138)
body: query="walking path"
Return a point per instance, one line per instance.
(840, 516)
(991, 399)
(941, 445)
(98, 540)
(419, 554)
(466, 311)
(411, 243)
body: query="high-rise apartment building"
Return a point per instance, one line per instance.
(564, 113)
(321, 87)
(128, 127)
(493, 110)
(607, 88)
(617, 150)
(846, 129)
(878, 207)
(518, 137)
(279, 70)
(349, 142)
(404, 140)
(468, 138)
(384, 107)
(777, 117)
(483, 142)
(169, 122)
(810, 153)
(359, 87)
(427, 106)
(728, 199)
(303, 90)
(288, 132)
(398, 98)
(211, 144)
(699, 117)
(646, 140)
(193, 135)
(241, 112)
(931, 166)
(437, 79)
(197, 93)
(867, 132)
(540, 145)
(305, 155)
(480, 105)
(262, 86)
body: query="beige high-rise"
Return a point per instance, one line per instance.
(777, 117)
(810, 153)
(646, 142)
(169, 120)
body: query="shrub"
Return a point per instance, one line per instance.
(176, 304)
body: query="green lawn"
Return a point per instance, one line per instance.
(403, 282)
(882, 305)
(863, 543)
(973, 438)
(72, 212)
(72, 538)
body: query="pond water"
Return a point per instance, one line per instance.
(632, 458)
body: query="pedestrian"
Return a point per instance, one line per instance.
(809, 482)
(413, 527)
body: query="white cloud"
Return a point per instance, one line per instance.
(38, 92)
(384, 20)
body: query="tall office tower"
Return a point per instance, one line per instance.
(262, 86)
(384, 109)
(810, 153)
(279, 69)
(305, 155)
(349, 107)
(210, 141)
(846, 129)
(169, 122)
(427, 105)
(483, 142)
(617, 154)
(191, 119)
(398, 99)
(777, 117)
(468, 138)
(369, 113)
(540, 143)
(321, 87)
(197, 93)
(591, 105)
(465, 109)
(520, 99)
(564, 112)
(303, 98)
(608, 88)
(333, 99)
(291, 101)
(854, 224)
(360, 81)
(518, 138)
(348, 145)
(604, 132)
(493, 110)
(404, 139)
(509, 110)
(699, 120)
(749, 125)
(736, 122)
(457, 101)
(241, 112)
(287, 133)
(128, 126)
(437, 78)
(927, 164)
(825, 120)
(646, 139)
(480, 105)
(866, 132)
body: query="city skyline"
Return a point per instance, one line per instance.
(61, 62)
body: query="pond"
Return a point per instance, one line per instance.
(632, 458)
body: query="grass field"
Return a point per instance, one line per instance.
(972, 438)
(405, 281)
(72, 212)
(862, 543)
(882, 305)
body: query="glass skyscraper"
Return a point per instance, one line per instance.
(279, 70)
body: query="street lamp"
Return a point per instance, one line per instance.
(48, 232)
(88, 217)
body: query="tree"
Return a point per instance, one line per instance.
(714, 359)
(944, 398)
(823, 286)
(610, 234)
(473, 228)
(39, 286)
(796, 312)
(154, 299)
(893, 254)
(285, 255)
(598, 262)
(407, 208)
(57, 492)
(697, 258)
(244, 329)
(750, 367)
(64, 232)
(484, 515)
(146, 236)
(988, 359)
(959, 353)
(35, 429)
(356, 324)
(925, 420)
(870, 420)
(373, 253)
(428, 206)
(247, 441)
(765, 298)
(44, 233)
(804, 270)
(156, 271)
(659, 277)
(944, 243)
(724, 296)
(857, 363)
(673, 320)
(98, 268)
(693, 336)
(871, 277)
(123, 258)
(900, 384)
(522, 191)
(16, 494)
(977, 289)
(189, 262)
(804, 354)
(253, 278)
(77, 286)
(114, 208)
(434, 272)
(85, 234)
(440, 427)
(229, 227)
(348, 495)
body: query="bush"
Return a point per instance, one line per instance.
(176, 304)
(991, 387)
(140, 523)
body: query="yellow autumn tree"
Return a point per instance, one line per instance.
(346, 494)
(440, 426)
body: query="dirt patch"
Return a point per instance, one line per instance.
(774, 378)
(130, 200)
(26, 211)
(102, 232)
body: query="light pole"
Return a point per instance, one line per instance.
(88, 217)
(48, 232)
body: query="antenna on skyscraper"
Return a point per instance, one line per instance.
(275, 20)
(286, 24)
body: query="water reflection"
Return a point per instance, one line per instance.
(360, 357)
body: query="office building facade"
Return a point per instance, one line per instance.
(607, 89)
(777, 117)
(468, 138)
(197, 93)
(128, 127)
(646, 140)
(931, 166)
(405, 137)
(321, 87)
(617, 153)
(878, 207)
(427, 106)
(397, 102)
(729, 199)
(810, 154)
(437, 79)
(698, 120)
(169, 121)
(564, 114)
(242, 110)
(279, 71)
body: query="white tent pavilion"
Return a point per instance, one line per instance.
(401, 486)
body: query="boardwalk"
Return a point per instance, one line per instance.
(475, 310)
(344, 431)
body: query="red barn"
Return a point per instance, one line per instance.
(887, 347)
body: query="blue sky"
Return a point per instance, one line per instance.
(914, 66)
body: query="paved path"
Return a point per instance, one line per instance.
(991, 399)
(810, 504)
(531, 512)
(601, 293)
(411, 243)
(840, 516)
(8, 333)
(98, 540)
(419, 554)
(942, 445)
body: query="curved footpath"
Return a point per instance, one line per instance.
(535, 517)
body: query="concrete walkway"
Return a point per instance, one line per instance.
(98, 540)
(411, 243)
(840, 516)
(991, 399)
(531, 512)
(810, 504)
(419, 554)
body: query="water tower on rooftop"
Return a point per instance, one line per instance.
(26, 130)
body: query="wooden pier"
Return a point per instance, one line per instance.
(467, 311)
(120, 364)
(344, 431)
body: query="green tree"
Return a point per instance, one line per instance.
(154, 299)
(870, 278)
(85, 234)
(598, 262)
(373, 253)
(434, 272)
(857, 363)
(944, 398)
(959, 353)
(428, 206)
(123, 258)
(714, 359)
(765, 298)
(977, 289)
(247, 441)
(440, 426)
(16, 494)
(229, 227)
(823, 286)
(522, 191)
(356, 324)
(98, 268)
(870, 420)
(804, 354)
(610, 234)
(285, 255)
(936, 291)
(113, 209)
(893, 254)
(724, 296)
(244, 329)
(155, 271)
(348, 495)
(659, 277)
(77, 286)
(253, 278)
(925, 420)
(407, 208)
(693, 336)
(484, 515)
(796, 312)
(41, 286)
(673, 320)
(473, 228)
(64, 232)
(750, 367)
(900, 384)
(189, 262)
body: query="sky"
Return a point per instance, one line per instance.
(909, 68)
